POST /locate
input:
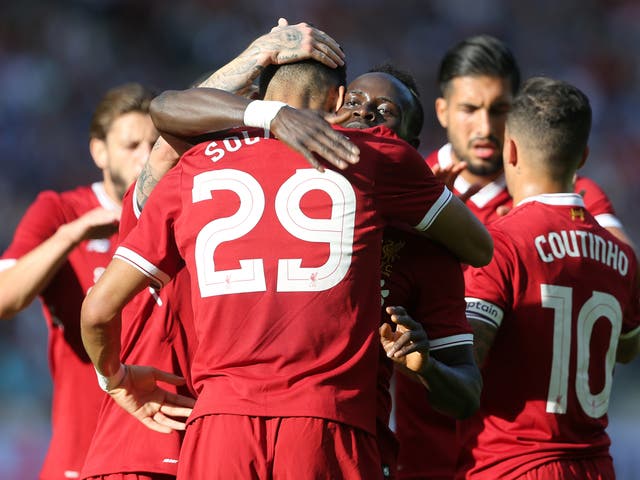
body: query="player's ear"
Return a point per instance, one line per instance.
(510, 152)
(340, 98)
(585, 154)
(441, 111)
(98, 150)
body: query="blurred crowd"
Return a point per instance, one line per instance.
(57, 59)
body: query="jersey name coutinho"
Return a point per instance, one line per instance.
(579, 243)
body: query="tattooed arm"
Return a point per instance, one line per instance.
(284, 44)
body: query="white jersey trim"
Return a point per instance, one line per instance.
(137, 261)
(7, 263)
(451, 341)
(485, 194)
(435, 210)
(632, 333)
(484, 311)
(608, 220)
(557, 199)
(104, 199)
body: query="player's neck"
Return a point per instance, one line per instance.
(111, 192)
(531, 188)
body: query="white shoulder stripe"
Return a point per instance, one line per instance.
(451, 341)
(608, 220)
(150, 270)
(632, 333)
(7, 263)
(435, 210)
(484, 311)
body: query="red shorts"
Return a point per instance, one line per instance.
(278, 448)
(599, 468)
(133, 476)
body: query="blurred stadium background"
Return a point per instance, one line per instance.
(58, 57)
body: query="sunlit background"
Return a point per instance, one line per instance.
(57, 58)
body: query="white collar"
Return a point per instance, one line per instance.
(104, 199)
(558, 199)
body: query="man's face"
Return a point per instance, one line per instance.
(127, 147)
(378, 99)
(474, 113)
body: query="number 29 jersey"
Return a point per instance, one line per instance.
(561, 290)
(285, 268)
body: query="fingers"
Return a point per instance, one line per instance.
(337, 118)
(170, 423)
(174, 411)
(151, 424)
(179, 400)
(168, 377)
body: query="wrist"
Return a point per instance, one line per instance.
(260, 113)
(110, 382)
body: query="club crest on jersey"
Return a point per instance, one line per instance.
(100, 245)
(390, 252)
(577, 213)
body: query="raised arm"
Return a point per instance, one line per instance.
(22, 281)
(462, 233)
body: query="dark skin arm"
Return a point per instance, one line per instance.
(451, 375)
(483, 337)
(198, 111)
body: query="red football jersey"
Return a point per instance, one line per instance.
(409, 267)
(76, 395)
(484, 203)
(561, 291)
(157, 330)
(282, 261)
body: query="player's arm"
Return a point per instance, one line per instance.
(451, 375)
(133, 387)
(31, 273)
(284, 44)
(462, 233)
(483, 336)
(629, 343)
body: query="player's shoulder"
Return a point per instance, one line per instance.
(78, 194)
(585, 184)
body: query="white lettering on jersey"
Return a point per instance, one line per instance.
(579, 243)
(484, 311)
(218, 149)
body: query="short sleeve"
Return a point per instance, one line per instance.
(441, 301)
(597, 202)
(489, 289)
(406, 189)
(150, 246)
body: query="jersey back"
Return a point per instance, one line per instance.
(561, 289)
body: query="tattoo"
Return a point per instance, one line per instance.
(145, 185)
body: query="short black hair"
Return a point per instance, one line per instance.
(555, 117)
(476, 56)
(312, 71)
(417, 119)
